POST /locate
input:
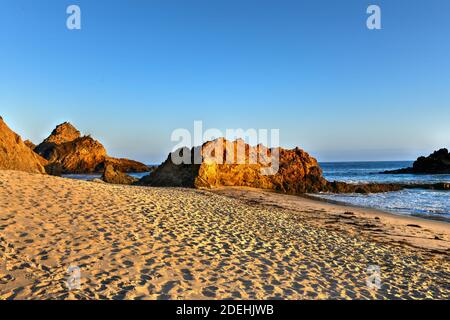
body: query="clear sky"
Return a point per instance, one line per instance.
(139, 69)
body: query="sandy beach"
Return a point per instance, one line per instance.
(134, 242)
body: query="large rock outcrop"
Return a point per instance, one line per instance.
(69, 152)
(436, 163)
(15, 155)
(222, 165)
(296, 172)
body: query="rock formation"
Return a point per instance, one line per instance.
(69, 152)
(111, 175)
(342, 187)
(436, 163)
(169, 174)
(82, 155)
(54, 169)
(221, 165)
(63, 133)
(15, 155)
(429, 186)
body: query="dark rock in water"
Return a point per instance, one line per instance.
(69, 152)
(342, 187)
(111, 175)
(399, 171)
(15, 155)
(429, 186)
(436, 163)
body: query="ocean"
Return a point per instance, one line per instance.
(417, 202)
(91, 176)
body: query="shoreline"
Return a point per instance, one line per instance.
(411, 230)
(379, 210)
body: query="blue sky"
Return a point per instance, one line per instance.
(137, 70)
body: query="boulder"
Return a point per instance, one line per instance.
(126, 165)
(15, 155)
(54, 169)
(111, 175)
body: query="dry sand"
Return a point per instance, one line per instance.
(172, 243)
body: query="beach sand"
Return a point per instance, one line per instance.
(230, 243)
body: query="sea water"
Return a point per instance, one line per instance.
(91, 176)
(418, 202)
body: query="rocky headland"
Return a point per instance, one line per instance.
(436, 163)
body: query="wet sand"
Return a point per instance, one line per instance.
(172, 243)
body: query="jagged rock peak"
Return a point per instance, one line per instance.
(65, 132)
(66, 149)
